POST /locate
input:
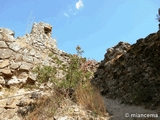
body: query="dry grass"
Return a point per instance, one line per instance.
(85, 95)
(90, 98)
(46, 107)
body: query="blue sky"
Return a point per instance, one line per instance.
(95, 25)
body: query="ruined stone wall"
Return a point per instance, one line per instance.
(18, 57)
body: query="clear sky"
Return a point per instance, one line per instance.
(95, 25)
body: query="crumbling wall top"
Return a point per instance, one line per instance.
(42, 28)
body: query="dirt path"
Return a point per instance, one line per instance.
(120, 111)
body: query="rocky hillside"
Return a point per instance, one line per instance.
(30, 67)
(131, 73)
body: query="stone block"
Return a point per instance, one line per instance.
(15, 65)
(5, 53)
(6, 71)
(15, 47)
(4, 63)
(3, 44)
(26, 66)
(28, 59)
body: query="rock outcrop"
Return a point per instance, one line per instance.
(130, 73)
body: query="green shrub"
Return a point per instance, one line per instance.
(45, 74)
(74, 75)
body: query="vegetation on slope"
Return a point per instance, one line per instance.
(74, 86)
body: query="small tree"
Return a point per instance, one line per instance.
(74, 73)
(79, 50)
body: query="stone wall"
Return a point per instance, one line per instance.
(18, 57)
